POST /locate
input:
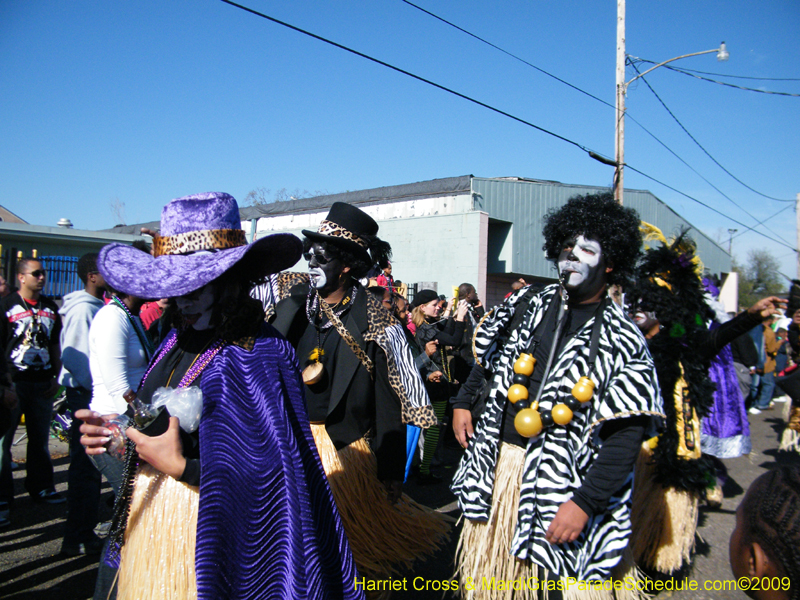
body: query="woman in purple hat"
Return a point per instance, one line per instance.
(239, 508)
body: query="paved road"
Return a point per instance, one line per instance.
(31, 567)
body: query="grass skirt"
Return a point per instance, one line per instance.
(157, 560)
(484, 548)
(663, 520)
(382, 537)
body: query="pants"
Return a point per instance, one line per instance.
(83, 495)
(38, 411)
(767, 387)
(744, 378)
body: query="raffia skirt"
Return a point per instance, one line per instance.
(383, 537)
(157, 559)
(484, 549)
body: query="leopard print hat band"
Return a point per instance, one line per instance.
(194, 241)
(335, 230)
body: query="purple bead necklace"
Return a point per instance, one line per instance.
(200, 362)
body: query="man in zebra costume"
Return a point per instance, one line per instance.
(545, 484)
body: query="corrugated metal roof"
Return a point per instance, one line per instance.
(381, 195)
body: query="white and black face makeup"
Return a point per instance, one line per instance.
(197, 306)
(323, 269)
(644, 320)
(583, 260)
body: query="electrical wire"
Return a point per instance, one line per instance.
(506, 52)
(787, 207)
(651, 134)
(685, 70)
(711, 208)
(418, 78)
(725, 83)
(487, 106)
(699, 145)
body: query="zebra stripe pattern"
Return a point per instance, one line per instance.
(557, 460)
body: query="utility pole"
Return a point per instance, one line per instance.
(619, 140)
(730, 239)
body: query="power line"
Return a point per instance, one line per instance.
(514, 56)
(478, 102)
(417, 77)
(685, 70)
(725, 83)
(506, 52)
(787, 207)
(699, 145)
(711, 208)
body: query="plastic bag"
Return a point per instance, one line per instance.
(184, 403)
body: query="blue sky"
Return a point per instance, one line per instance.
(140, 102)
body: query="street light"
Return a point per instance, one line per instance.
(622, 88)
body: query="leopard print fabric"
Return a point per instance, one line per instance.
(337, 231)
(404, 377)
(276, 288)
(193, 241)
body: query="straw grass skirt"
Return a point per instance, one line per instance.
(484, 550)
(663, 520)
(790, 439)
(157, 560)
(382, 537)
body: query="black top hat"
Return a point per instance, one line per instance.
(347, 227)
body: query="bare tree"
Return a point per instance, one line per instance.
(261, 195)
(118, 210)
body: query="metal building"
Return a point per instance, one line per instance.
(486, 231)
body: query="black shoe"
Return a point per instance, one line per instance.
(428, 478)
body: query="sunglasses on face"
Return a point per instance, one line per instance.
(318, 258)
(37, 273)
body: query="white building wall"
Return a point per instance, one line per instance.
(433, 239)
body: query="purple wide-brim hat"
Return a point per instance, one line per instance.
(200, 238)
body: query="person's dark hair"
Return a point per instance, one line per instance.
(236, 314)
(464, 289)
(141, 245)
(378, 291)
(23, 262)
(87, 264)
(597, 217)
(772, 512)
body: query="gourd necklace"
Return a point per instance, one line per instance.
(315, 369)
(529, 421)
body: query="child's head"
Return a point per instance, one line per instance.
(766, 541)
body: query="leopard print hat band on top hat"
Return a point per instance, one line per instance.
(200, 238)
(348, 227)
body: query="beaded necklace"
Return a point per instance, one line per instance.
(314, 369)
(200, 362)
(136, 323)
(529, 421)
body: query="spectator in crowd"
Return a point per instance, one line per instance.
(772, 344)
(793, 333)
(441, 383)
(30, 329)
(385, 279)
(463, 358)
(83, 491)
(5, 287)
(745, 360)
(152, 311)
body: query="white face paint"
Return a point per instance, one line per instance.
(196, 307)
(644, 320)
(583, 260)
(318, 279)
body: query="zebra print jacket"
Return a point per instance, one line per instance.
(557, 460)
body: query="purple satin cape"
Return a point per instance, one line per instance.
(267, 525)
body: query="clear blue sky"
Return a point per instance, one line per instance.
(140, 102)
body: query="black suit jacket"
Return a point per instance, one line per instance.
(358, 403)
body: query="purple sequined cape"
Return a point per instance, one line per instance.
(267, 524)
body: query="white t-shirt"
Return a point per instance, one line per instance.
(116, 358)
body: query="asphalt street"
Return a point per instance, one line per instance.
(32, 568)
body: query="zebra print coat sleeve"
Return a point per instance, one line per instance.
(557, 460)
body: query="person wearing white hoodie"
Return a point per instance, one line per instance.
(83, 494)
